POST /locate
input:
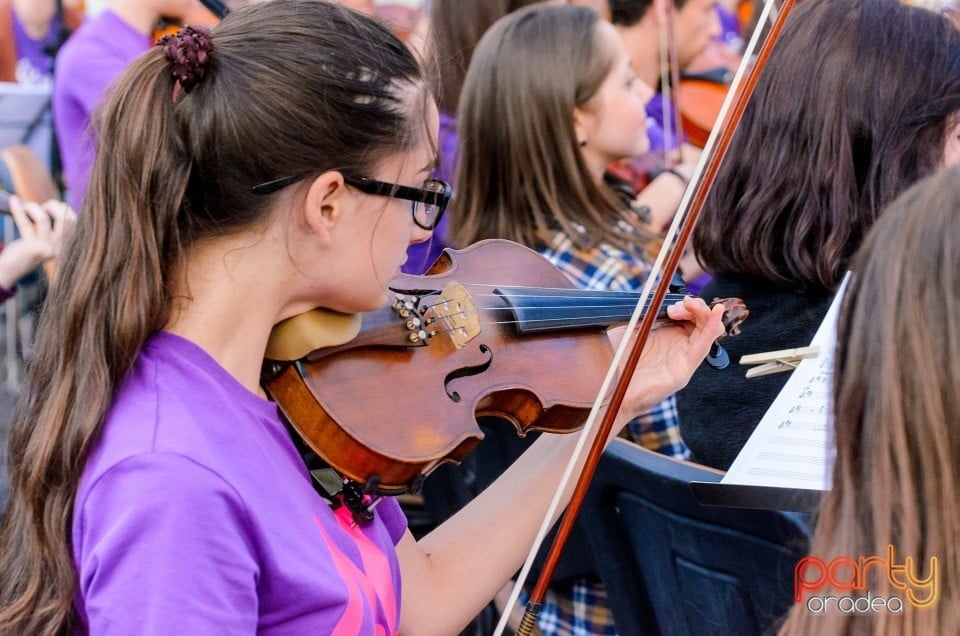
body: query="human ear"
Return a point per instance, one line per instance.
(582, 125)
(323, 206)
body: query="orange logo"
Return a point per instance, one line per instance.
(846, 574)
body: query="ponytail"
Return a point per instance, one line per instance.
(110, 295)
(178, 154)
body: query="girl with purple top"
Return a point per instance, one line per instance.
(87, 66)
(154, 488)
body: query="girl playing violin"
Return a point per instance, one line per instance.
(549, 102)
(154, 488)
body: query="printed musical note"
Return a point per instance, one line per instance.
(790, 447)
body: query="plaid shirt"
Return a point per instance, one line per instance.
(606, 268)
(580, 608)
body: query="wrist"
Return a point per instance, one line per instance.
(676, 173)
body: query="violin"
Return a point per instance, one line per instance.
(206, 13)
(700, 97)
(494, 329)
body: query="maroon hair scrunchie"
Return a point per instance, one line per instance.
(189, 55)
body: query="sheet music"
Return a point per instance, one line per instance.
(790, 447)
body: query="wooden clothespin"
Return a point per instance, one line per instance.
(777, 361)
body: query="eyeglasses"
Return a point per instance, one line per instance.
(427, 203)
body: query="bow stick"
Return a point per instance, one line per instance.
(676, 239)
(216, 7)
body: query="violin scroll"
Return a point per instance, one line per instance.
(734, 313)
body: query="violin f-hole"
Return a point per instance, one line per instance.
(467, 372)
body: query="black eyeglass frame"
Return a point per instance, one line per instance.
(437, 198)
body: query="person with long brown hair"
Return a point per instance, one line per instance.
(155, 489)
(455, 29)
(896, 410)
(549, 102)
(821, 148)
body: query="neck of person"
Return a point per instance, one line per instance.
(596, 164)
(140, 18)
(226, 301)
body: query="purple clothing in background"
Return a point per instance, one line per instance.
(33, 65)
(659, 141)
(195, 515)
(729, 29)
(447, 147)
(87, 66)
(421, 256)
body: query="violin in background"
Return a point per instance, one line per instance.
(206, 13)
(699, 99)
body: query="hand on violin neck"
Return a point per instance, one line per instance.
(672, 353)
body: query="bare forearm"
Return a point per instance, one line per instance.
(473, 554)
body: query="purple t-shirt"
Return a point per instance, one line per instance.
(34, 66)
(656, 134)
(195, 515)
(87, 66)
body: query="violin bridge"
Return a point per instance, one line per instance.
(457, 315)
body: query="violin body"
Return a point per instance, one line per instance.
(465, 357)
(701, 100)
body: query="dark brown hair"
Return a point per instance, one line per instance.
(293, 87)
(521, 174)
(896, 477)
(851, 108)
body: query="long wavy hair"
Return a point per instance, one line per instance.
(294, 87)
(852, 108)
(896, 478)
(521, 175)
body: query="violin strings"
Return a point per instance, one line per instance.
(574, 292)
(612, 317)
(609, 301)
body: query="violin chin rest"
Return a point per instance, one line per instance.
(295, 337)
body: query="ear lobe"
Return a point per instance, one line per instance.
(582, 121)
(323, 205)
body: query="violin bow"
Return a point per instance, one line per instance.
(677, 237)
(670, 84)
(216, 7)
